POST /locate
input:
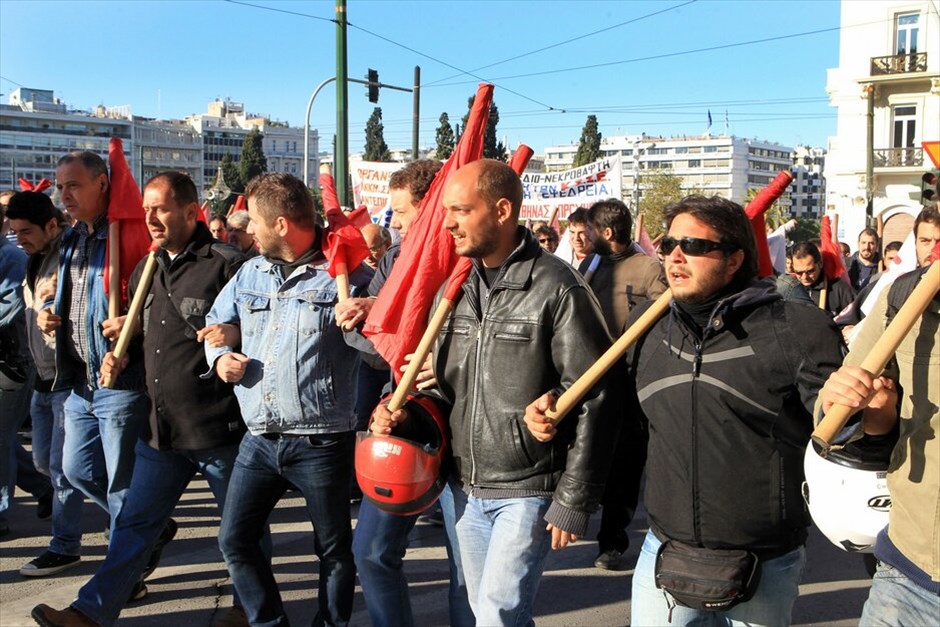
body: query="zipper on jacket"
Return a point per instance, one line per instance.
(696, 367)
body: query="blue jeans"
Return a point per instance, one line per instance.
(772, 603)
(160, 477)
(319, 466)
(16, 465)
(896, 600)
(48, 412)
(101, 430)
(503, 549)
(379, 546)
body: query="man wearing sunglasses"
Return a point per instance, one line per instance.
(808, 268)
(727, 380)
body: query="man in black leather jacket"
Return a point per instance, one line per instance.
(524, 325)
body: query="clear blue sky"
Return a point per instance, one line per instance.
(168, 59)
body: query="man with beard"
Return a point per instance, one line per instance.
(864, 263)
(727, 380)
(623, 279)
(193, 424)
(808, 268)
(295, 380)
(520, 305)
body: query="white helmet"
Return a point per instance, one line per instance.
(847, 497)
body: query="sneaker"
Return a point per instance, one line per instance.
(168, 533)
(138, 592)
(44, 505)
(234, 617)
(49, 563)
(609, 560)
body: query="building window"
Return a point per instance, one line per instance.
(711, 148)
(905, 126)
(695, 163)
(906, 25)
(682, 150)
(273, 145)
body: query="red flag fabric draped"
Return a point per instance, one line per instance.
(400, 313)
(39, 187)
(126, 208)
(755, 212)
(833, 265)
(238, 206)
(203, 215)
(343, 243)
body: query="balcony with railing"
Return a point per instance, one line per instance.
(910, 157)
(899, 64)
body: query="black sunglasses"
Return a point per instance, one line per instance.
(693, 246)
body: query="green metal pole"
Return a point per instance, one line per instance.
(341, 169)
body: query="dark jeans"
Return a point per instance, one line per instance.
(159, 480)
(319, 466)
(622, 492)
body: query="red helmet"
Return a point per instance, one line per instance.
(401, 473)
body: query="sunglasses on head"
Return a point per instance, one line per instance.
(693, 246)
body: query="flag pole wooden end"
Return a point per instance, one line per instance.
(573, 395)
(133, 313)
(114, 269)
(876, 359)
(421, 353)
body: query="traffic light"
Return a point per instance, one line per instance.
(928, 187)
(373, 78)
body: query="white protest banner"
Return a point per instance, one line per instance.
(370, 185)
(542, 192)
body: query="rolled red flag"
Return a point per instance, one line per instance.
(833, 266)
(400, 313)
(126, 210)
(755, 212)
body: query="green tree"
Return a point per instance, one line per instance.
(445, 138)
(376, 148)
(590, 145)
(659, 189)
(492, 148)
(253, 161)
(231, 175)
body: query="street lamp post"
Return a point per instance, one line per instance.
(636, 175)
(307, 128)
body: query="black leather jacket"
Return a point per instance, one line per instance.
(538, 330)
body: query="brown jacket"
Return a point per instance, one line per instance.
(622, 281)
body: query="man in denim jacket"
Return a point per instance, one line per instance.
(100, 424)
(295, 380)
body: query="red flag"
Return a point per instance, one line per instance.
(755, 212)
(238, 206)
(343, 243)
(39, 187)
(934, 255)
(126, 209)
(203, 215)
(646, 243)
(833, 265)
(360, 216)
(400, 313)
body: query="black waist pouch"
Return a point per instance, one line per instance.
(706, 579)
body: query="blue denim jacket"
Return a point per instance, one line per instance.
(302, 375)
(68, 371)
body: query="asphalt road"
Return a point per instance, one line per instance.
(192, 586)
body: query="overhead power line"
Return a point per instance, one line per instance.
(673, 54)
(567, 41)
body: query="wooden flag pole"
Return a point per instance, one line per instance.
(133, 314)
(882, 351)
(638, 227)
(114, 269)
(573, 395)
(444, 308)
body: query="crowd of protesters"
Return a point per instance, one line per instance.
(247, 367)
